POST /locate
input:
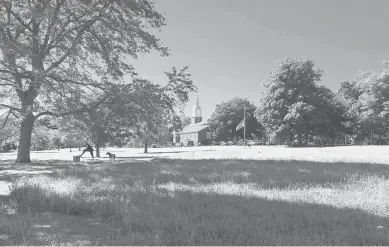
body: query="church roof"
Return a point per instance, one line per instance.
(194, 128)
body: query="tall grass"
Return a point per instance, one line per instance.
(220, 202)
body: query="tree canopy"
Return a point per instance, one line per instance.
(228, 115)
(57, 56)
(295, 104)
(372, 105)
(157, 104)
(140, 109)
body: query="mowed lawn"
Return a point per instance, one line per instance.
(201, 196)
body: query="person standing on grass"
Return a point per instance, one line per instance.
(88, 148)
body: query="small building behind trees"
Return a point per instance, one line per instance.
(197, 131)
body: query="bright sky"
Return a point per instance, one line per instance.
(232, 46)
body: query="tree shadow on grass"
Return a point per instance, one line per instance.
(220, 219)
(9, 170)
(234, 220)
(54, 229)
(268, 173)
(114, 150)
(46, 151)
(165, 152)
(136, 157)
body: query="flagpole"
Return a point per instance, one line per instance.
(244, 125)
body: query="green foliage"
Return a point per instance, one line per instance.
(154, 105)
(72, 39)
(299, 116)
(374, 101)
(177, 123)
(40, 139)
(58, 140)
(56, 56)
(295, 104)
(140, 110)
(365, 104)
(348, 99)
(9, 131)
(180, 85)
(186, 120)
(350, 91)
(229, 114)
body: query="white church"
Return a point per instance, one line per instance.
(197, 131)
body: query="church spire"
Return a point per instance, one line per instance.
(196, 111)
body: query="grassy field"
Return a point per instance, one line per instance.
(199, 196)
(347, 154)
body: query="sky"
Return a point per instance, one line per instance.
(231, 46)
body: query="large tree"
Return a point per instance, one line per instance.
(348, 97)
(295, 104)
(229, 114)
(330, 119)
(373, 102)
(157, 104)
(139, 109)
(54, 54)
(291, 82)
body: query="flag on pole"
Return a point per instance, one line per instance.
(240, 125)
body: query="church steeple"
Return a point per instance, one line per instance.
(196, 111)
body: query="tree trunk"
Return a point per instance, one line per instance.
(27, 98)
(299, 139)
(70, 149)
(145, 148)
(290, 141)
(333, 138)
(58, 148)
(25, 139)
(97, 150)
(306, 136)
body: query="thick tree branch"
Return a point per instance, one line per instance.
(102, 45)
(11, 107)
(49, 28)
(6, 84)
(5, 71)
(6, 119)
(70, 50)
(67, 80)
(62, 32)
(18, 18)
(79, 34)
(84, 109)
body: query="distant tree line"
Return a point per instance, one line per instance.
(296, 109)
